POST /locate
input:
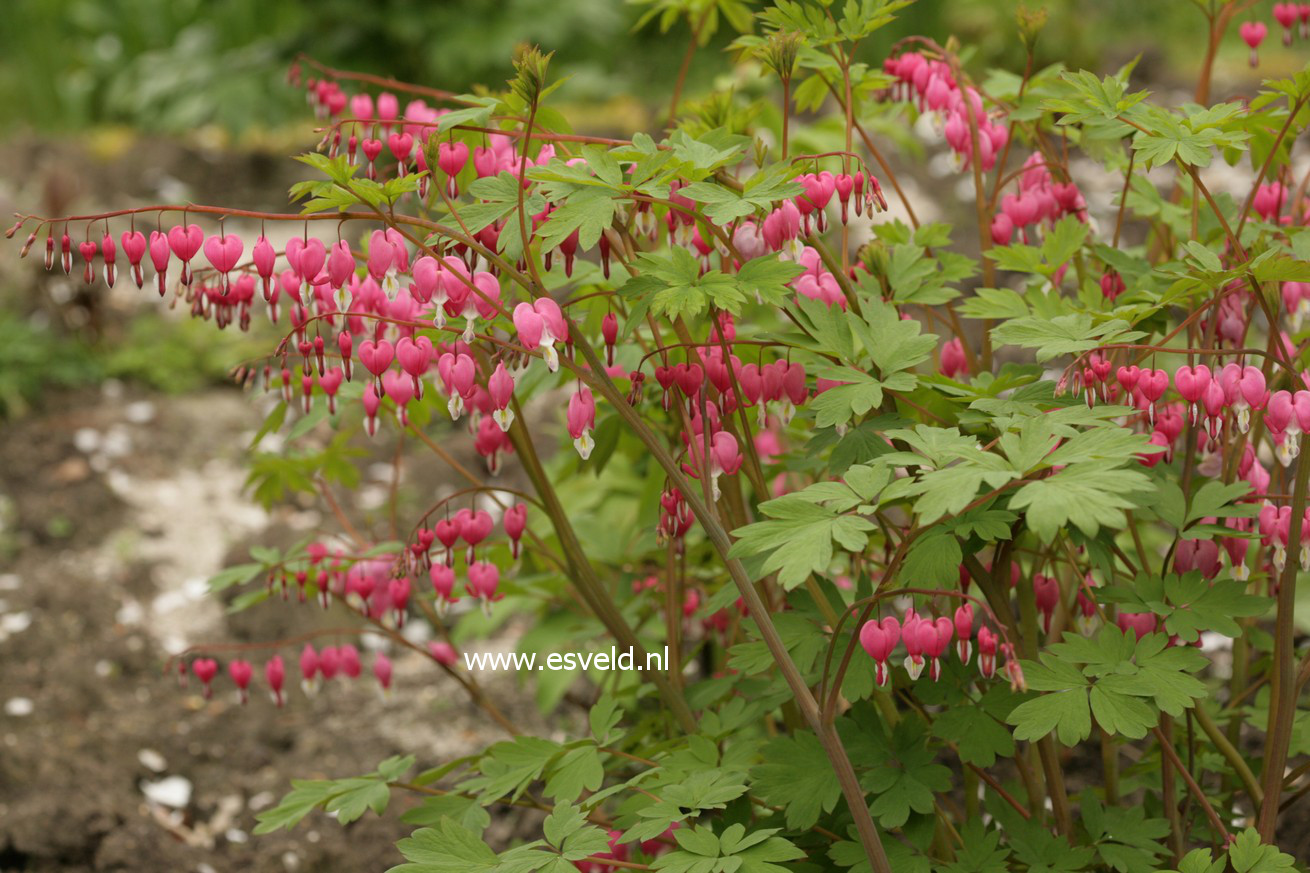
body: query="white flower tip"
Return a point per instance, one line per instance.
(584, 444)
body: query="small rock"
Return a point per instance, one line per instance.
(19, 706)
(86, 440)
(71, 471)
(14, 623)
(140, 412)
(10, 582)
(152, 760)
(172, 791)
(236, 835)
(262, 800)
(117, 442)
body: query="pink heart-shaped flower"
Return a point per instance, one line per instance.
(376, 356)
(311, 260)
(223, 252)
(134, 246)
(186, 241)
(401, 145)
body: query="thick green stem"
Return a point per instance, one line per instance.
(804, 697)
(1110, 764)
(584, 575)
(1230, 753)
(1046, 748)
(1282, 703)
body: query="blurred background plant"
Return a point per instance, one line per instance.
(172, 65)
(180, 93)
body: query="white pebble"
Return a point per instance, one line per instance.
(262, 800)
(152, 760)
(173, 791)
(140, 412)
(19, 706)
(86, 440)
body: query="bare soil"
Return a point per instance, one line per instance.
(116, 507)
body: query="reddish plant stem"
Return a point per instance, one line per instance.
(685, 68)
(1293, 109)
(381, 81)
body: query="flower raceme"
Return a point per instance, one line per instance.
(926, 641)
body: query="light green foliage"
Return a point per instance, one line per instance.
(1247, 854)
(1189, 604)
(674, 286)
(798, 537)
(348, 798)
(702, 851)
(1122, 682)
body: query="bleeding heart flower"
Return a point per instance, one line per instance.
(515, 522)
(185, 242)
(879, 639)
(1253, 33)
(402, 146)
(89, 250)
(484, 578)
(964, 632)
(372, 403)
(400, 390)
(582, 420)
(241, 673)
(376, 356)
(382, 665)
(953, 362)
(1140, 623)
(415, 357)
(443, 582)
(1192, 383)
(451, 158)
(275, 673)
(223, 252)
(937, 636)
(426, 272)
(205, 669)
(134, 246)
(501, 388)
(986, 652)
(1046, 592)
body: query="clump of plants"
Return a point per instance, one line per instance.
(972, 548)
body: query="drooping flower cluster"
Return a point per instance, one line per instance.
(316, 667)
(927, 641)
(1039, 203)
(932, 87)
